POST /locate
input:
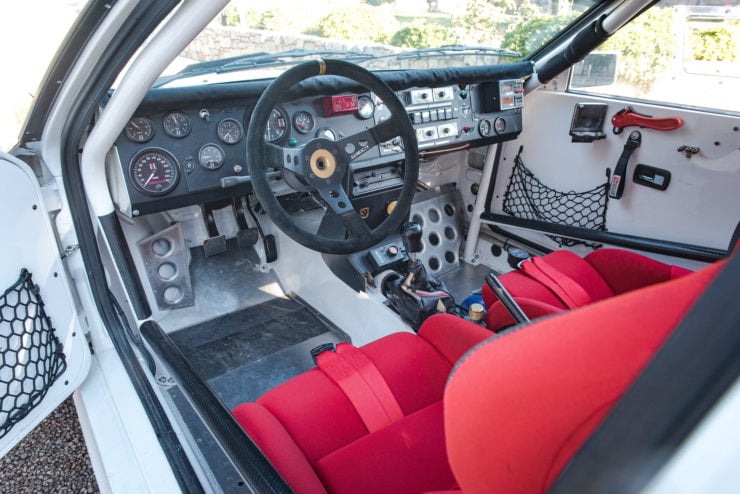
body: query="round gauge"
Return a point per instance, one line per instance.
(484, 127)
(365, 107)
(176, 124)
(229, 131)
(139, 129)
(304, 122)
(499, 125)
(211, 157)
(326, 133)
(276, 125)
(154, 172)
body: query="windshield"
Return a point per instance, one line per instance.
(251, 40)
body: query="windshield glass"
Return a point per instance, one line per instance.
(251, 40)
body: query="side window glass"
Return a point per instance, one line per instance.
(676, 54)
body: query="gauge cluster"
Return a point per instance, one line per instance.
(176, 154)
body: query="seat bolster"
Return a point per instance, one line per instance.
(498, 317)
(625, 271)
(275, 442)
(452, 336)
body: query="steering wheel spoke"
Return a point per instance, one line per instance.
(354, 224)
(358, 144)
(280, 157)
(336, 198)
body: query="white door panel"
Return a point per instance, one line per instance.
(702, 203)
(33, 379)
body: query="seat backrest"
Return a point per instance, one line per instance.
(518, 406)
(601, 274)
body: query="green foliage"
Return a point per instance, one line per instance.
(273, 20)
(528, 35)
(479, 22)
(713, 45)
(645, 47)
(423, 35)
(230, 15)
(358, 23)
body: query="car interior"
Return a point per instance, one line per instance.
(346, 280)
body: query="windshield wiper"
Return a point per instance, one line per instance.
(259, 60)
(447, 50)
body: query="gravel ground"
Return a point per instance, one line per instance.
(52, 458)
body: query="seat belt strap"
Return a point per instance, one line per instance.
(570, 293)
(363, 384)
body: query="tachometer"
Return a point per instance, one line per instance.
(304, 122)
(276, 125)
(154, 172)
(211, 157)
(229, 131)
(176, 124)
(139, 129)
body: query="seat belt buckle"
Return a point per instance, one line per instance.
(318, 350)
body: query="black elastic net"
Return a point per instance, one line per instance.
(32, 357)
(528, 198)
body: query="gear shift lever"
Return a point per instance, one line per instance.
(417, 278)
(411, 237)
(420, 294)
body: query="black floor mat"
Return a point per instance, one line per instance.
(221, 345)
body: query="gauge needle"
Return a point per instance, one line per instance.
(149, 179)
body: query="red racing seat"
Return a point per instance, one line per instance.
(516, 407)
(323, 439)
(520, 405)
(600, 275)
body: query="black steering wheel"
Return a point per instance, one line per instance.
(322, 165)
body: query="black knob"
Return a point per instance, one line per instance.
(411, 236)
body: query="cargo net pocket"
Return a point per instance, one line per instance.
(32, 356)
(528, 198)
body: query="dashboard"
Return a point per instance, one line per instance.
(190, 149)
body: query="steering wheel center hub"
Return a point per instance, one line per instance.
(323, 163)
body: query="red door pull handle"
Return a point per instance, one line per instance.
(627, 117)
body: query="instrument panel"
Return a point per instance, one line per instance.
(178, 154)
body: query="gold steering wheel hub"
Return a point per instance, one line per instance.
(323, 163)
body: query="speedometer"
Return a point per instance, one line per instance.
(154, 172)
(276, 125)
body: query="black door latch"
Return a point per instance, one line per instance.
(616, 187)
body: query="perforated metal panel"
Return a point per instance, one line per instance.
(440, 217)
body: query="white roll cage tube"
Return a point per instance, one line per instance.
(618, 17)
(184, 25)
